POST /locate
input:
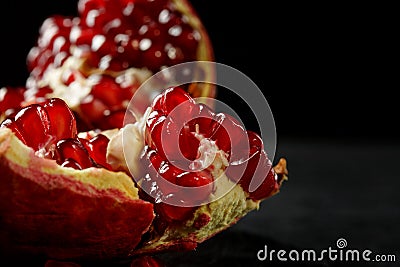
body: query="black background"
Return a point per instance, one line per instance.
(328, 72)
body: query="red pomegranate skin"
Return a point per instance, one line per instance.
(61, 218)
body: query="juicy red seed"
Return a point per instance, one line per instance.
(97, 148)
(255, 140)
(108, 91)
(187, 38)
(102, 24)
(154, 126)
(258, 168)
(154, 56)
(79, 36)
(84, 6)
(61, 118)
(175, 213)
(155, 159)
(244, 168)
(71, 163)
(171, 98)
(11, 98)
(188, 144)
(147, 261)
(204, 120)
(229, 133)
(191, 179)
(267, 188)
(93, 109)
(73, 148)
(34, 125)
(43, 91)
(198, 179)
(114, 120)
(10, 123)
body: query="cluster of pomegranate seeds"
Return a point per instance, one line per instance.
(50, 129)
(175, 130)
(105, 106)
(10, 100)
(116, 35)
(53, 45)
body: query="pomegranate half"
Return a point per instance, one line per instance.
(55, 206)
(97, 60)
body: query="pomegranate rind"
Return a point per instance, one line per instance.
(62, 213)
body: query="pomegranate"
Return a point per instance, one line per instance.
(96, 61)
(51, 173)
(195, 165)
(68, 190)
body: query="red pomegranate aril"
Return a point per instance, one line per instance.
(10, 123)
(187, 39)
(113, 120)
(267, 187)
(258, 168)
(71, 163)
(229, 133)
(152, 7)
(43, 91)
(171, 98)
(188, 144)
(154, 127)
(97, 148)
(193, 180)
(73, 149)
(204, 121)
(166, 178)
(85, 6)
(61, 118)
(108, 91)
(92, 108)
(153, 56)
(255, 140)
(155, 159)
(34, 125)
(11, 98)
(174, 213)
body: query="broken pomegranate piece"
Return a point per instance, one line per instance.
(96, 61)
(194, 165)
(172, 201)
(50, 130)
(70, 192)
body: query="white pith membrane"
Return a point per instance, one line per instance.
(226, 204)
(75, 92)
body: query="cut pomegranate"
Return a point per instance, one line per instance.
(173, 203)
(69, 195)
(96, 62)
(201, 134)
(50, 129)
(11, 100)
